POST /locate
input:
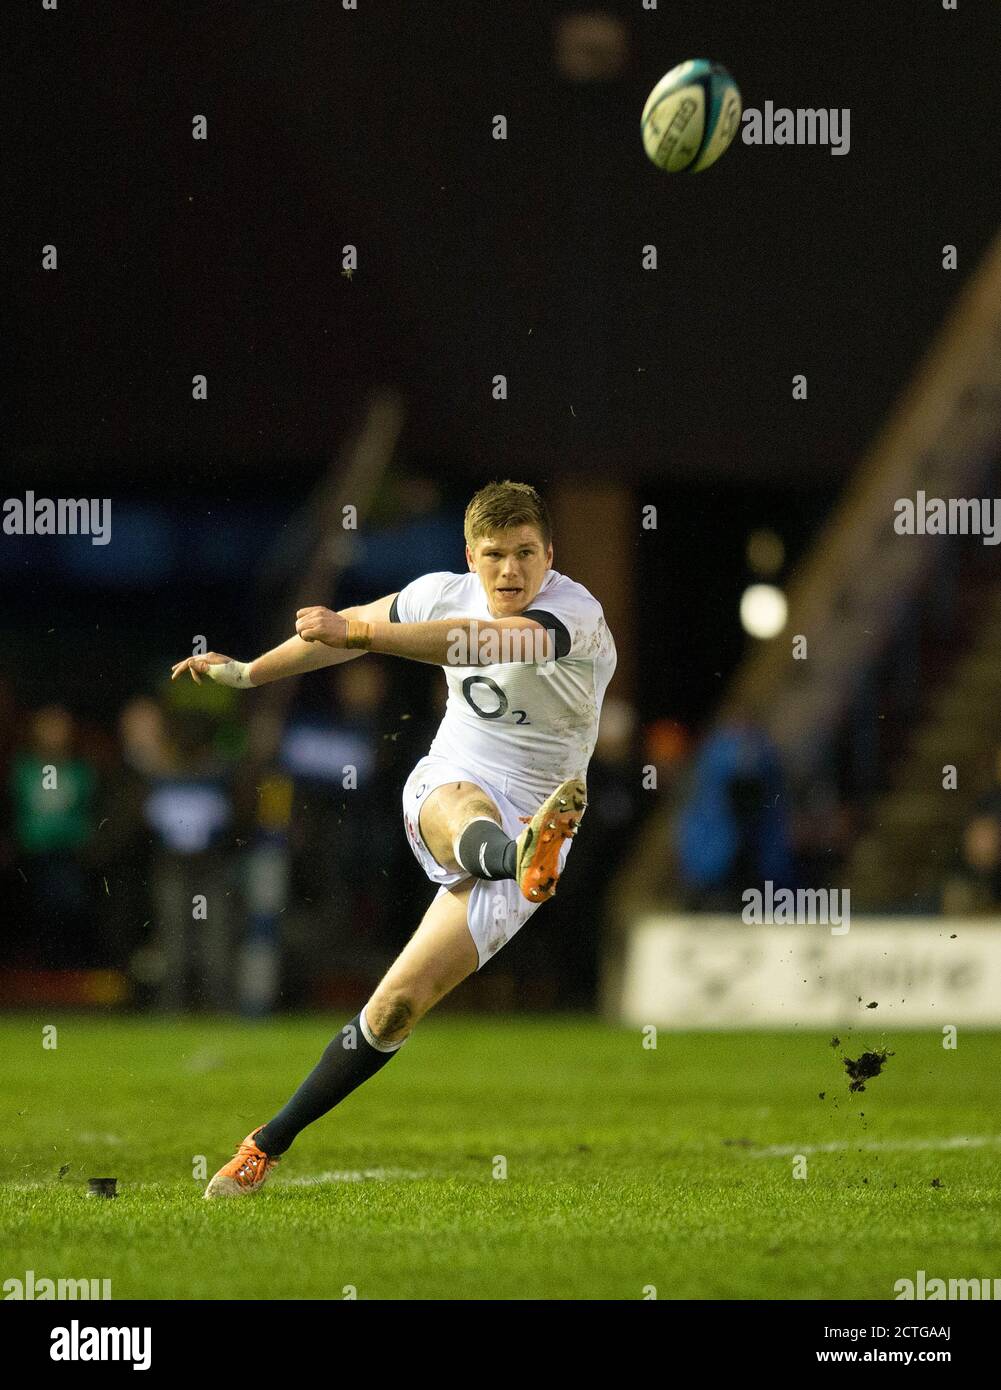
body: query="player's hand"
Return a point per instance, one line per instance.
(321, 625)
(199, 666)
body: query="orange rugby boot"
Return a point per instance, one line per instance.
(539, 844)
(246, 1172)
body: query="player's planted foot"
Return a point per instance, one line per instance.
(539, 844)
(246, 1172)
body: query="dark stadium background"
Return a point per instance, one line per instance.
(627, 387)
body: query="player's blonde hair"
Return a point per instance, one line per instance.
(499, 506)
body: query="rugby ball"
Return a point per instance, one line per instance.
(691, 116)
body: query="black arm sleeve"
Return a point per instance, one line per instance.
(561, 635)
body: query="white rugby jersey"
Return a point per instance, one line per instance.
(525, 728)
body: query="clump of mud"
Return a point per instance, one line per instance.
(867, 1066)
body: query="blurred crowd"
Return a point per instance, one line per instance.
(141, 847)
(973, 884)
(735, 825)
(159, 848)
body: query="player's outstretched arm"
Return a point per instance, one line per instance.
(295, 657)
(441, 642)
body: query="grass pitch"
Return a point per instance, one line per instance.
(626, 1168)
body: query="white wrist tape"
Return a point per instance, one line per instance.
(232, 673)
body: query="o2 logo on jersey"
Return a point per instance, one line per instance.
(500, 711)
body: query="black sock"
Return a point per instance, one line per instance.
(348, 1060)
(485, 851)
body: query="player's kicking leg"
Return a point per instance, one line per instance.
(461, 826)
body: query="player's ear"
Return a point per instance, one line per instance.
(469, 558)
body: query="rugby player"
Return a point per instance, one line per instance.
(491, 810)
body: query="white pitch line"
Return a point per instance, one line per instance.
(348, 1175)
(956, 1141)
(353, 1175)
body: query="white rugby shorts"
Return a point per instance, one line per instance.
(497, 907)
